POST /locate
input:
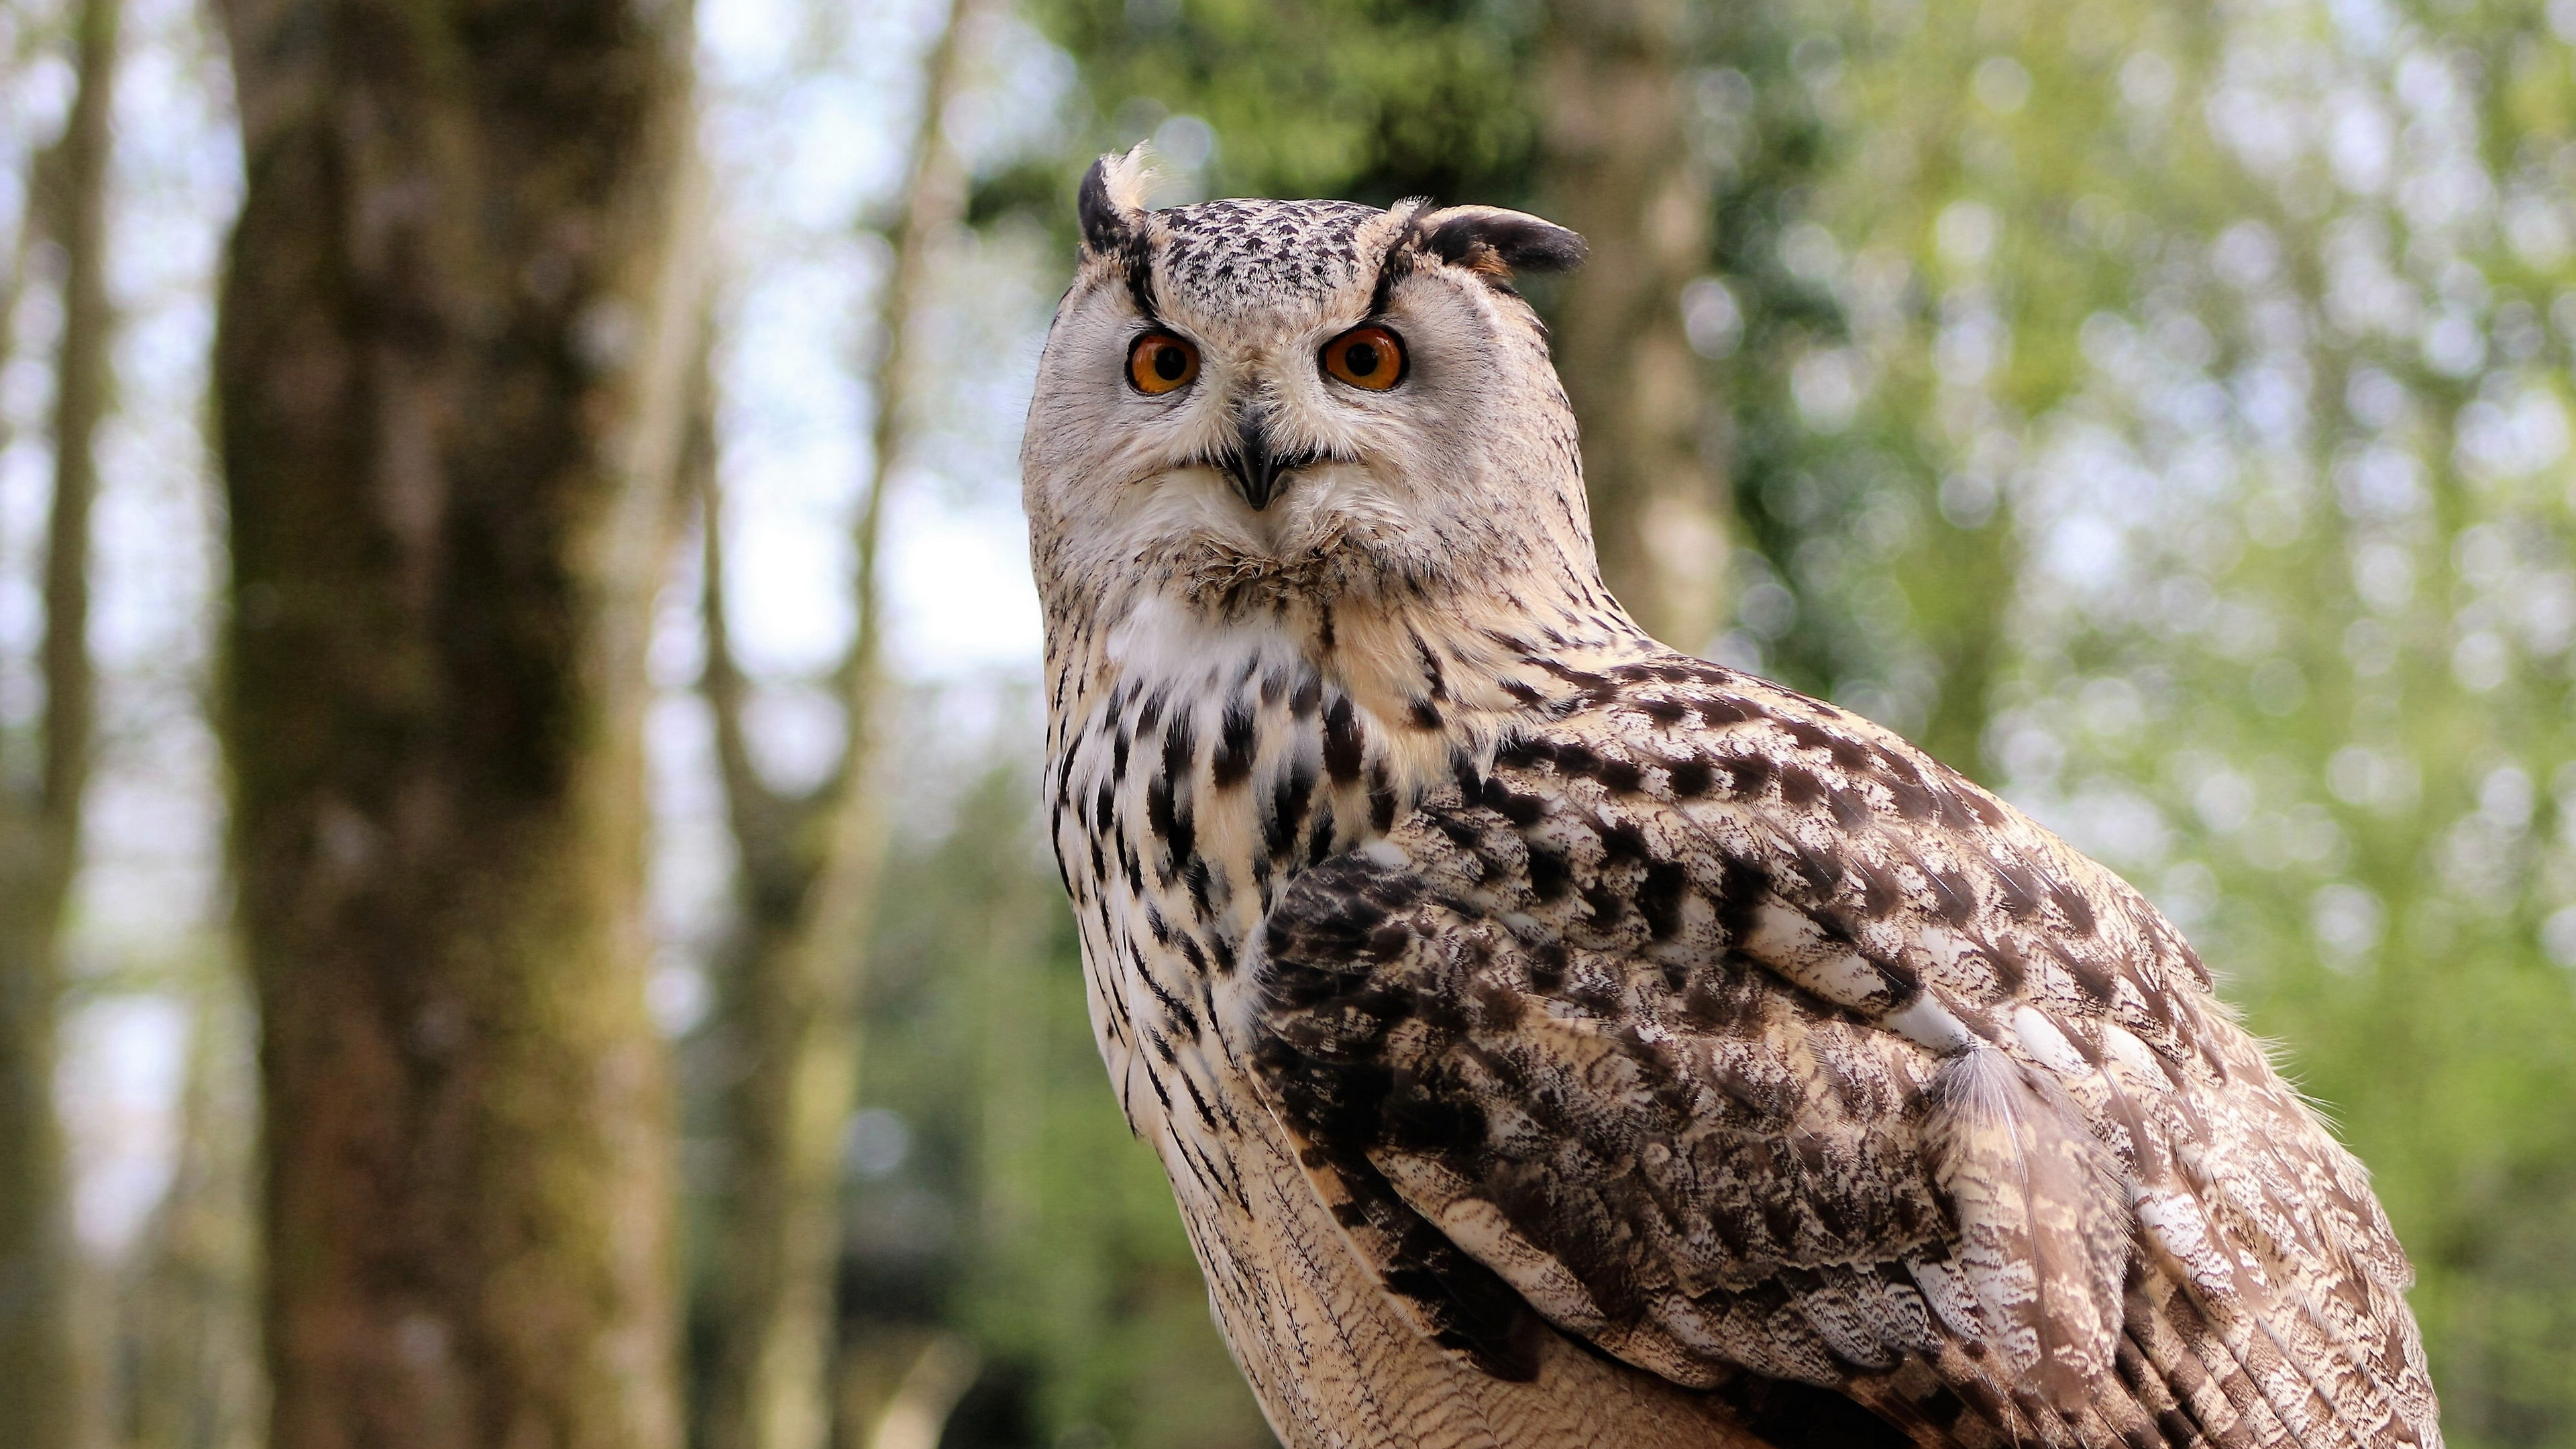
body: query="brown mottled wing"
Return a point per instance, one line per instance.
(1733, 1033)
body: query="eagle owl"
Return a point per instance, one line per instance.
(1553, 1039)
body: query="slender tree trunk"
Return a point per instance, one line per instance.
(191, 1342)
(1619, 168)
(452, 344)
(808, 885)
(13, 285)
(42, 1388)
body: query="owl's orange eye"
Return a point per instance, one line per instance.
(1161, 363)
(1369, 357)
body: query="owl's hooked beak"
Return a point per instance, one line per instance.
(1255, 464)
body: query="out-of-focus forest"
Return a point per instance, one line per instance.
(520, 916)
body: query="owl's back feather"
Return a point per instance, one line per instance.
(1728, 1032)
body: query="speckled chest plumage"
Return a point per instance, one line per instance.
(1191, 773)
(1192, 776)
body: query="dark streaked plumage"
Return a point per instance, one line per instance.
(1731, 1031)
(1552, 1039)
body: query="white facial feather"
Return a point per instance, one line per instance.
(1463, 471)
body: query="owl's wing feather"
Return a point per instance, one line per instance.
(1736, 1036)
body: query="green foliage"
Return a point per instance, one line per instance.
(1367, 99)
(2281, 437)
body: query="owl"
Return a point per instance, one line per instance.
(1555, 1039)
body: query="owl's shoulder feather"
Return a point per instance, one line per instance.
(1735, 1035)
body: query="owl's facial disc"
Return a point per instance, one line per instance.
(1262, 444)
(1244, 403)
(1255, 412)
(1371, 358)
(1311, 447)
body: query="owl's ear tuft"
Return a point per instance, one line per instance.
(1111, 205)
(1497, 242)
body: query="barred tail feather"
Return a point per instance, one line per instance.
(2045, 1238)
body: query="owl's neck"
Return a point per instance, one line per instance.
(1434, 674)
(1426, 690)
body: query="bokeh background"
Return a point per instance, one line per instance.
(2159, 409)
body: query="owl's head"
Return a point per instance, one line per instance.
(1248, 404)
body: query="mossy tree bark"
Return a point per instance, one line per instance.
(1617, 166)
(452, 343)
(42, 1384)
(807, 886)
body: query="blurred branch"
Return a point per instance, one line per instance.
(13, 285)
(40, 845)
(808, 883)
(190, 1341)
(753, 809)
(928, 1393)
(934, 200)
(80, 399)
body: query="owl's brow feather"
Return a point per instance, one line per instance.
(1138, 264)
(1396, 262)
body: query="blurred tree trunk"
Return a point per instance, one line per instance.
(807, 884)
(1618, 166)
(42, 1384)
(452, 343)
(192, 1347)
